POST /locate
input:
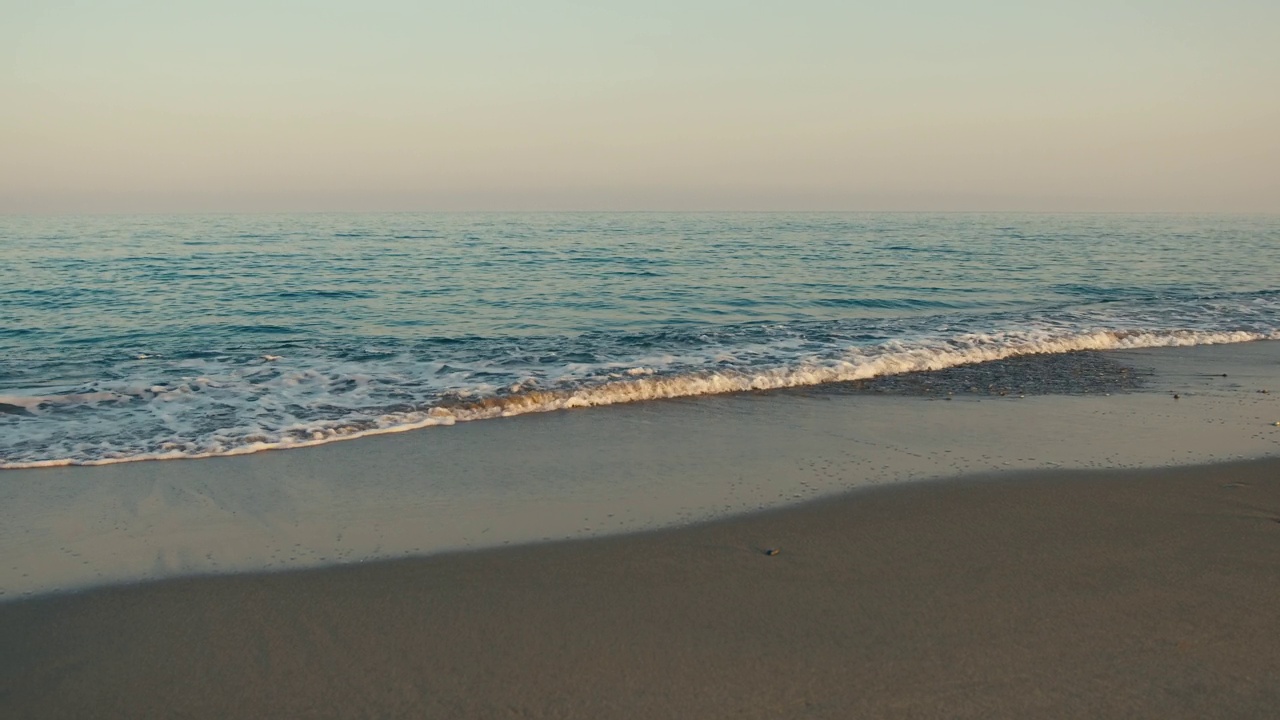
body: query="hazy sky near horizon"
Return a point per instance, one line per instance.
(151, 106)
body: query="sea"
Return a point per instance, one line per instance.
(126, 338)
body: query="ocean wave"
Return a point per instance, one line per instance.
(264, 405)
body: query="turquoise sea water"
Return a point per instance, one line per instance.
(126, 338)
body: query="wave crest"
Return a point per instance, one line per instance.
(634, 385)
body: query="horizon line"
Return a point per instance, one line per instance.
(656, 211)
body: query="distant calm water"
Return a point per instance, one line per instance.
(126, 338)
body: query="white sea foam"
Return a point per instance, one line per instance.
(896, 359)
(31, 402)
(249, 399)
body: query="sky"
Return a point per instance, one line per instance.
(385, 105)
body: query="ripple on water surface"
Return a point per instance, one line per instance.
(126, 338)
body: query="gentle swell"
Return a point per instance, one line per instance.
(889, 363)
(636, 384)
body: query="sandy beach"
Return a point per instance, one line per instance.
(1145, 593)
(610, 470)
(1052, 556)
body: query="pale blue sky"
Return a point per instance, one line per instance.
(702, 104)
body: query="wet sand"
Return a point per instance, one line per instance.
(1114, 593)
(626, 468)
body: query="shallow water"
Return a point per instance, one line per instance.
(126, 338)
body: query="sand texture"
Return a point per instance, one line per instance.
(615, 469)
(1147, 593)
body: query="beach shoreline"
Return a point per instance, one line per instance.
(1051, 556)
(1136, 593)
(603, 471)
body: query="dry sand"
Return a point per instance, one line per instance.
(1147, 593)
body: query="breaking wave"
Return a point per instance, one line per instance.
(151, 337)
(262, 404)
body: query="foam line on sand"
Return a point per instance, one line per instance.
(604, 471)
